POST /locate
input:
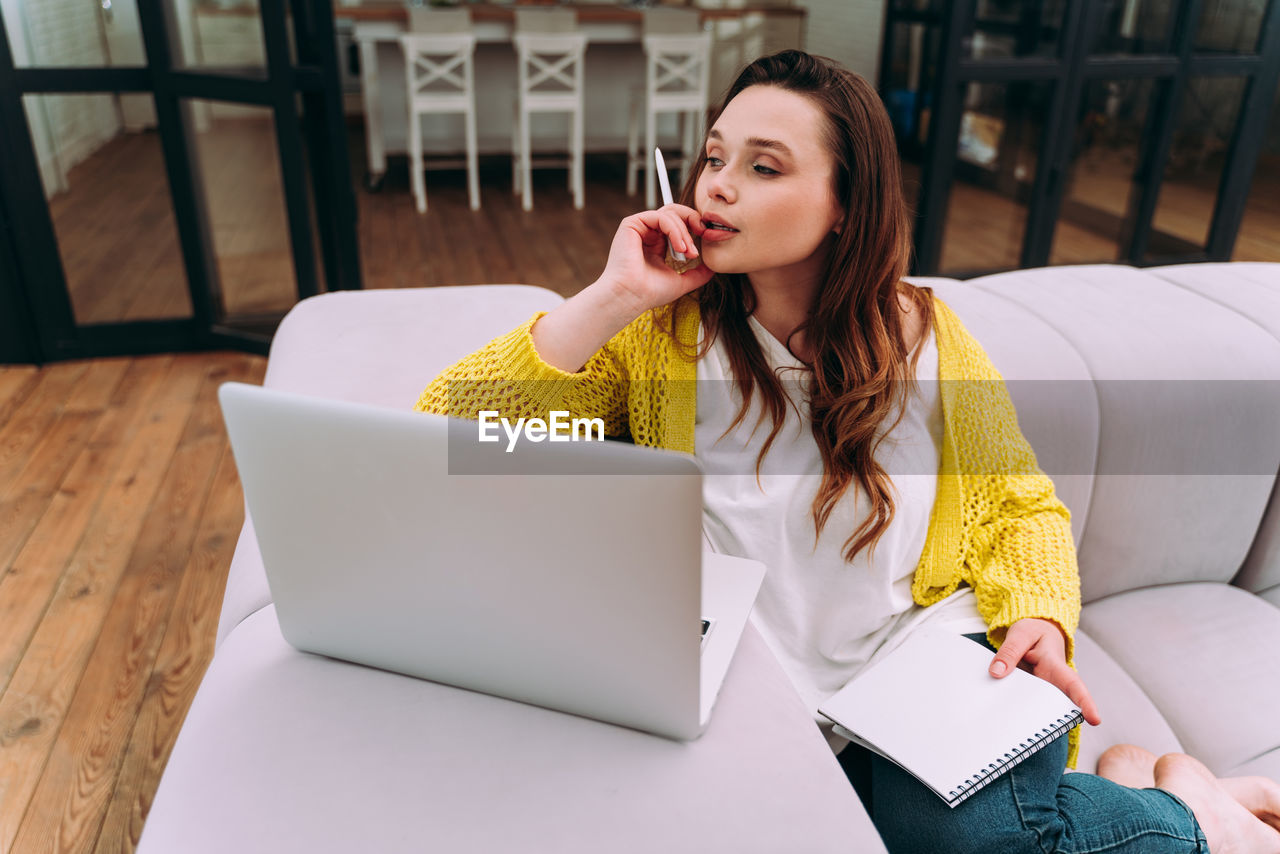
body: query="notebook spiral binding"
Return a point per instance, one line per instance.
(1024, 750)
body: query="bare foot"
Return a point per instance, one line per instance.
(1259, 795)
(1133, 766)
(1228, 826)
(1128, 765)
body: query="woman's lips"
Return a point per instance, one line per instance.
(714, 234)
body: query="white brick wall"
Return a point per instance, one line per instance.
(847, 31)
(64, 33)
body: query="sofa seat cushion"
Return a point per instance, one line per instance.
(1128, 715)
(247, 591)
(286, 751)
(1272, 595)
(1206, 655)
(1266, 765)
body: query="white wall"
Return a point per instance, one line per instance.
(12, 11)
(65, 128)
(848, 31)
(16, 27)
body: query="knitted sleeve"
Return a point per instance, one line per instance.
(1021, 559)
(508, 376)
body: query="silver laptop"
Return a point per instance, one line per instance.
(567, 574)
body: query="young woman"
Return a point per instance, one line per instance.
(796, 346)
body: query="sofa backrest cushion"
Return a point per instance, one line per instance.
(1047, 381)
(384, 346)
(1167, 480)
(1188, 395)
(1252, 290)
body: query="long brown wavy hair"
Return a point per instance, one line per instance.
(861, 370)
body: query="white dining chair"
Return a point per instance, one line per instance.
(677, 71)
(439, 69)
(550, 50)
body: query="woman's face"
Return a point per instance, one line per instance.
(770, 178)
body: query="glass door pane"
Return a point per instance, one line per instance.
(222, 35)
(112, 212)
(997, 155)
(76, 33)
(1005, 28)
(173, 222)
(1259, 237)
(1230, 27)
(238, 167)
(1096, 221)
(1207, 120)
(1133, 27)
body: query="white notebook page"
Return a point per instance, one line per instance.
(932, 707)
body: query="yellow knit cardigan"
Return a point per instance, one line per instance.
(996, 523)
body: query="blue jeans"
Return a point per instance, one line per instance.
(1034, 808)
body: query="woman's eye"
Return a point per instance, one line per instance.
(714, 161)
(764, 170)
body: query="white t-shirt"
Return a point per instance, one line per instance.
(825, 619)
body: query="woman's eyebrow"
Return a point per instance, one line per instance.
(757, 142)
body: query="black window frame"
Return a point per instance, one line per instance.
(39, 323)
(1068, 73)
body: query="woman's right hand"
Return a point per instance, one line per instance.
(635, 279)
(636, 272)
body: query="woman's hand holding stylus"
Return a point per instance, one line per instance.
(635, 279)
(636, 270)
(1041, 645)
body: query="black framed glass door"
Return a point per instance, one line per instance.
(173, 173)
(1101, 131)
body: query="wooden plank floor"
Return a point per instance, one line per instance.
(553, 245)
(120, 193)
(119, 510)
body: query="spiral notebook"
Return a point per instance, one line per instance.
(931, 707)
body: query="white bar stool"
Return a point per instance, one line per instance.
(550, 49)
(677, 71)
(440, 78)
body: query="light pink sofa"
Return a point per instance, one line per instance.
(1152, 398)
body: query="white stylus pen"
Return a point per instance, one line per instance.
(665, 185)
